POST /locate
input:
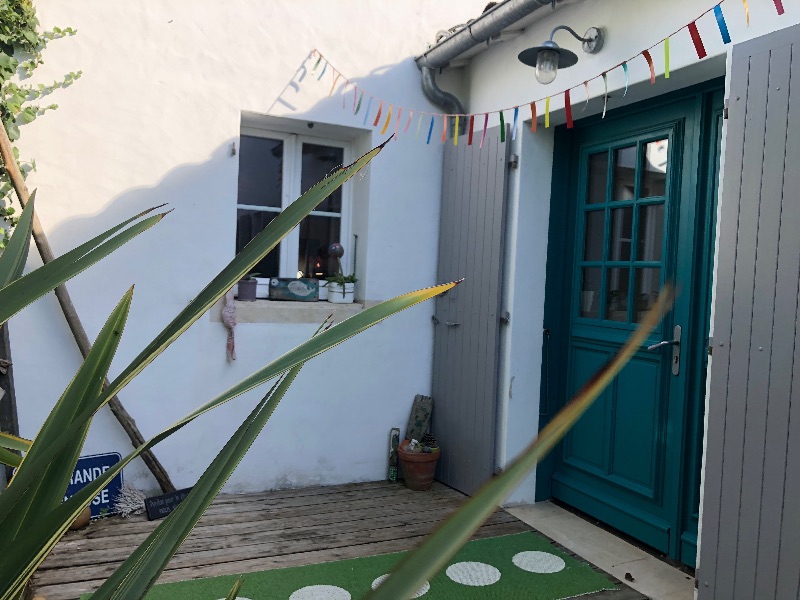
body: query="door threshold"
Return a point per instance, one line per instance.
(640, 568)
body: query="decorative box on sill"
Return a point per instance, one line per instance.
(299, 290)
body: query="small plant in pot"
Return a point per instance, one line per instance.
(418, 459)
(341, 288)
(247, 288)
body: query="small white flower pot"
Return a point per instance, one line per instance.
(323, 289)
(341, 294)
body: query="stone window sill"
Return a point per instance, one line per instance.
(279, 311)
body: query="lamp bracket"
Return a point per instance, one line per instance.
(592, 42)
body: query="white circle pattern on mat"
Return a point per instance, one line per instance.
(320, 592)
(473, 573)
(539, 562)
(420, 592)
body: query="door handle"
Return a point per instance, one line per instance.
(675, 342)
(451, 324)
(663, 344)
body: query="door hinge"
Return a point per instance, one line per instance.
(505, 318)
(513, 161)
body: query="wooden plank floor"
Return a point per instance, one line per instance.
(257, 532)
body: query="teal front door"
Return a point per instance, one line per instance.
(640, 213)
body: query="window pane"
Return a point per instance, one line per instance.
(624, 173)
(654, 169)
(319, 161)
(595, 225)
(598, 178)
(590, 293)
(651, 232)
(260, 171)
(621, 233)
(648, 282)
(316, 234)
(248, 224)
(617, 295)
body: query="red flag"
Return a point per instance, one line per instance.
(779, 6)
(471, 129)
(533, 117)
(568, 108)
(649, 60)
(698, 43)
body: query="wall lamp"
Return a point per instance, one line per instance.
(549, 57)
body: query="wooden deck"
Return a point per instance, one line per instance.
(257, 532)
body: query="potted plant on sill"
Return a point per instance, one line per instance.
(246, 289)
(418, 460)
(341, 288)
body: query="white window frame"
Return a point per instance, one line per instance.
(292, 165)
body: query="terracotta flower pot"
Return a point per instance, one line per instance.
(418, 467)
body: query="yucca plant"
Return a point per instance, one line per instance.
(33, 515)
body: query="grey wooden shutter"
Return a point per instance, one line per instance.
(466, 349)
(750, 529)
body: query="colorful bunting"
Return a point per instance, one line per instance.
(514, 126)
(649, 59)
(397, 122)
(333, 87)
(358, 95)
(471, 129)
(366, 112)
(723, 26)
(408, 123)
(698, 42)
(568, 109)
(627, 79)
(388, 119)
(547, 113)
(585, 106)
(358, 106)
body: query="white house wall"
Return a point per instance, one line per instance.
(497, 79)
(152, 121)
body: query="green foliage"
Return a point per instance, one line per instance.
(33, 516)
(21, 47)
(342, 279)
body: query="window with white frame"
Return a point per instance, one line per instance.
(274, 170)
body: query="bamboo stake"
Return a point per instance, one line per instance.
(71, 315)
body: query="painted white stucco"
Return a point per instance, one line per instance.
(495, 79)
(152, 121)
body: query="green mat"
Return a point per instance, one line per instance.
(500, 567)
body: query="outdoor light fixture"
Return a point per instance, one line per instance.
(549, 57)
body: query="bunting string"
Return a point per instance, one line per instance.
(395, 111)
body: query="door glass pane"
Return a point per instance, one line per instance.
(260, 171)
(651, 232)
(654, 169)
(621, 234)
(598, 178)
(625, 173)
(590, 292)
(595, 225)
(316, 234)
(648, 282)
(617, 295)
(319, 161)
(248, 224)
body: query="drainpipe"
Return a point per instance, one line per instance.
(482, 29)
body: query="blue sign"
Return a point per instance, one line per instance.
(90, 468)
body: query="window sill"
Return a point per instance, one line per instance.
(279, 311)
